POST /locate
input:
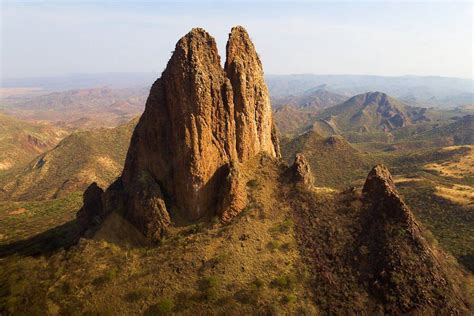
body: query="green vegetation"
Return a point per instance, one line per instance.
(21, 141)
(285, 282)
(162, 307)
(209, 287)
(334, 162)
(78, 160)
(22, 220)
(203, 268)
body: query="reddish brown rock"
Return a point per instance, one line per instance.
(398, 265)
(234, 194)
(301, 170)
(187, 132)
(199, 121)
(151, 214)
(253, 113)
(380, 189)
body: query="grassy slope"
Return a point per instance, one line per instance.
(335, 165)
(78, 160)
(249, 265)
(259, 263)
(21, 141)
(451, 222)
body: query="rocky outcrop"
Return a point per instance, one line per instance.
(92, 210)
(253, 113)
(234, 194)
(336, 141)
(200, 121)
(400, 268)
(379, 189)
(301, 170)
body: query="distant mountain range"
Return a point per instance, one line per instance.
(313, 99)
(80, 108)
(420, 90)
(424, 90)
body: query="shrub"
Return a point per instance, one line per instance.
(285, 282)
(289, 298)
(137, 295)
(162, 307)
(209, 287)
(258, 283)
(108, 276)
(283, 227)
(252, 294)
(252, 183)
(273, 245)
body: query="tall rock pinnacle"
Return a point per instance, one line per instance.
(199, 119)
(253, 113)
(396, 251)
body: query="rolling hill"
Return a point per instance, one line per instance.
(372, 111)
(21, 141)
(79, 159)
(334, 162)
(291, 120)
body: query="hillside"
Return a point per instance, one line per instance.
(291, 120)
(334, 162)
(21, 141)
(79, 159)
(372, 111)
(81, 108)
(261, 262)
(459, 132)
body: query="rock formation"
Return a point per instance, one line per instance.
(301, 170)
(253, 113)
(200, 121)
(92, 207)
(399, 266)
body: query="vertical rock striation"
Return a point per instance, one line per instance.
(253, 114)
(200, 122)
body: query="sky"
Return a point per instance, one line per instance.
(49, 38)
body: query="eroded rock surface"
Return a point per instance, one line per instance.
(397, 263)
(301, 170)
(199, 122)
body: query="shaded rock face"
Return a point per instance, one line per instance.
(199, 119)
(398, 265)
(301, 170)
(92, 208)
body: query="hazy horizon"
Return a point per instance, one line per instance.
(50, 39)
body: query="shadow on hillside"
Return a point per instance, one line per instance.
(467, 261)
(45, 243)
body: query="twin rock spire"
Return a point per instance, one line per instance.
(200, 122)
